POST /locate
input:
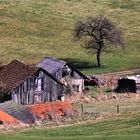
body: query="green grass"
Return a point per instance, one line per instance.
(123, 127)
(31, 30)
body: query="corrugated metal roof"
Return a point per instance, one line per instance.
(51, 64)
(18, 111)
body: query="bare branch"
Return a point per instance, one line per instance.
(99, 30)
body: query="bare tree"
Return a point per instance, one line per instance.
(96, 33)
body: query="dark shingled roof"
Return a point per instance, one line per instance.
(51, 64)
(15, 73)
(1, 67)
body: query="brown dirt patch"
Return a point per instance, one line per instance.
(48, 110)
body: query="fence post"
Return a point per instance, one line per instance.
(82, 107)
(118, 109)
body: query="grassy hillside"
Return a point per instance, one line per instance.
(123, 127)
(33, 29)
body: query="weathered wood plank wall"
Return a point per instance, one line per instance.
(26, 93)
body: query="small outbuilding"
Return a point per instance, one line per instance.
(64, 72)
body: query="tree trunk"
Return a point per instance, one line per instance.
(98, 58)
(99, 53)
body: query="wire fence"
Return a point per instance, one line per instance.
(111, 106)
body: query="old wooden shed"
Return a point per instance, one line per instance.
(65, 72)
(28, 85)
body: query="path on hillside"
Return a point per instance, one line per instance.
(111, 79)
(120, 73)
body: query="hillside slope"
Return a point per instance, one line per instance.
(30, 30)
(122, 127)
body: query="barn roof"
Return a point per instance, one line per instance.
(14, 73)
(51, 64)
(1, 67)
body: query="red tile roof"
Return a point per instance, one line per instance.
(15, 73)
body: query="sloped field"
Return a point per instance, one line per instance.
(30, 30)
(122, 127)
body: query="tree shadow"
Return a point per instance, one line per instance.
(80, 64)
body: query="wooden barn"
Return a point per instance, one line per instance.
(28, 85)
(64, 72)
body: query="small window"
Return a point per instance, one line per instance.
(39, 84)
(66, 71)
(75, 88)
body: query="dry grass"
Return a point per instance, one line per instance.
(107, 107)
(30, 30)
